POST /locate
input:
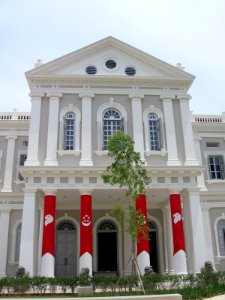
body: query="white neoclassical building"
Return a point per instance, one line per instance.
(55, 210)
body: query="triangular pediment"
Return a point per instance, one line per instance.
(96, 55)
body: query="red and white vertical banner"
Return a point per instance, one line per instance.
(86, 232)
(142, 240)
(48, 241)
(180, 265)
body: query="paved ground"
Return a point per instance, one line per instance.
(221, 297)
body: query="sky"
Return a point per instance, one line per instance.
(191, 32)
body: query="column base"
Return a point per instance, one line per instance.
(2, 275)
(88, 163)
(6, 190)
(86, 262)
(193, 162)
(32, 162)
(48, 265)
(143, 261)
(173, 162)
(51, 163)
(180, 264)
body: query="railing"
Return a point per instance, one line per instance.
(208, 119)
(14, 116)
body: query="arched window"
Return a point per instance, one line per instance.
(154, 132)
(221, 236)
(112, 121)
(17, 244)
(69, 131)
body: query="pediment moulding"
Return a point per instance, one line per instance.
(106, 48)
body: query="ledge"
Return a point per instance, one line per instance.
(101, 152)
(68, 152)
(210, 181)
(162, 152)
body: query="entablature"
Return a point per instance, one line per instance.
(83, 177)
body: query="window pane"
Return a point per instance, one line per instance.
(216, 167)
(69, 134)
(111, 123)
(221, 236)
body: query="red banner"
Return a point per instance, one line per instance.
(48, 244)
(142, 242)
(85, 224)
(177, 223)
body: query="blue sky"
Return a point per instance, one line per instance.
(187, 31)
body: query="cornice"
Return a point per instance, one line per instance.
(208, 127)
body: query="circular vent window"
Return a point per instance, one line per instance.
(91, 70)
(110, 64)
(130, 71)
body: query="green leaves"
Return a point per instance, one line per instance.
(127, 170)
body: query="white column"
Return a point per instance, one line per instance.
(40, 237)
(171, 141)
(86, 142)
(7, 186)
(34, 128)
(165, 249)
(200, 178)
(169, 240)
(53, 121)
(196, 230)
(4, 233)
(29, 240)
(137, 124)
(187, 132)
(208, 233)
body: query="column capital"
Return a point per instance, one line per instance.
(29, 191)
(175, 191)
(86, 192)
(54, 96)
(167, 96)
(193, 191)
(6, 209)
(184, 98)
(86, 95)
(34, 95)
(11, 137)
(49, 192)
(136, 96)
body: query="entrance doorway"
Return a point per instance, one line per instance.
(107, 236)
(153, 245)
(66, 246)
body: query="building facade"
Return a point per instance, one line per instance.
(55, 210)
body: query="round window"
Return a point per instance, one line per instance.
(91, 70)
(110, 64)
(130, 71)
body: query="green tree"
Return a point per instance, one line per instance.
(127, 170)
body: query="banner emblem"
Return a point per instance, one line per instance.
(86, 220)
(176, 218)
(48, 219)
